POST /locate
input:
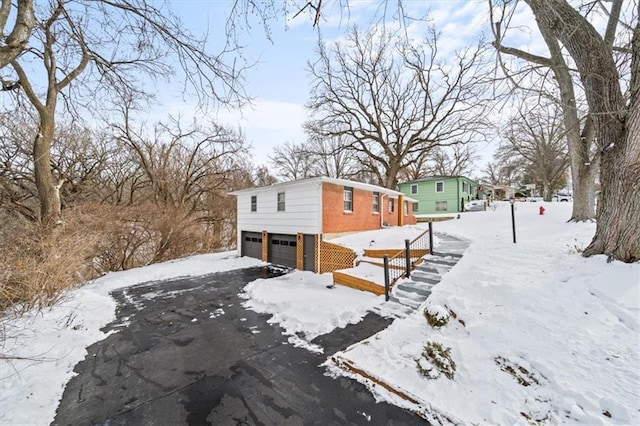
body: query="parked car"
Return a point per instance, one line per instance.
(475, 206)
(562, 197)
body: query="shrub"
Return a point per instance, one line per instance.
(436, 360)
(36, 267)
(436, 315)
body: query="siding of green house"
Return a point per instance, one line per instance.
(448, 200)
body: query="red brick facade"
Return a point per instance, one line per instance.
(362, 217)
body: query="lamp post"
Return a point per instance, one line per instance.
(513, 219)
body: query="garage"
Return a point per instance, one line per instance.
(251, 244)
(282, 249)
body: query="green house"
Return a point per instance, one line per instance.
(440, 194)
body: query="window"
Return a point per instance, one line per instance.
(406, 208)
(254, 203)
(376, 202)
(348, 199)
(391, 202)
(465, 187)
(414, 189)
(415, 207)
(280, 201)
(441, 206)
(439, 186)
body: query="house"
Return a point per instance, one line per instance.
(288, 223)
(496, 192)
(440, 194)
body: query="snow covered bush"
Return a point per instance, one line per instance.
(435, 361)
(436, 315)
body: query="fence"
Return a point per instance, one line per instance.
(333, 257)
(404, 261)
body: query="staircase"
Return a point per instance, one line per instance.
(407, 296)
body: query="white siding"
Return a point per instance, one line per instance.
(302, 213)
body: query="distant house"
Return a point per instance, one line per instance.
(496, 192)
(286, 223)
(440, 194)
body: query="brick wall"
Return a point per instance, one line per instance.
(362, 218)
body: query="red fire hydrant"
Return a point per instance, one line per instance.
(541, 210)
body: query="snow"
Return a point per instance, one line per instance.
(302, 304)
(534, 312)
(393, 237)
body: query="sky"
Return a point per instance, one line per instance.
(537, 307)
(279, 83)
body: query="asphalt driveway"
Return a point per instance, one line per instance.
(187, 352)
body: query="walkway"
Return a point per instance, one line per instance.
(409, 295)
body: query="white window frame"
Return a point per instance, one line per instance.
(281, 202)
(416, 206)
(442, 183)
(446, 206)
(254, 203)
(465, 187)
(376, 202)
(347, 199)
(414, 186)
(405, 207)
(391, 204)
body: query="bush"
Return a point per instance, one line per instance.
(36, 267)
(436, 315)
(435, 361)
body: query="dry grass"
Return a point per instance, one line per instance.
(36, 268)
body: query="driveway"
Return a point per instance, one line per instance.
(187, 352)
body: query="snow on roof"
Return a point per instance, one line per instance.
(436, 178)
(325, 179)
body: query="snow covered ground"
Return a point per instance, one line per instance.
(534, 312)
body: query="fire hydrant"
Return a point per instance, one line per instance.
(541, 210)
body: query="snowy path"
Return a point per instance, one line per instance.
(408, 294)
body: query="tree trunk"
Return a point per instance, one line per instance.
(583, 183)
(48, 190)
(15, 43)
(546, 191)
(616, 125)
(579, 144)
(618, 229)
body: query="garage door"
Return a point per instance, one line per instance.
(252, 244)
(282, 250)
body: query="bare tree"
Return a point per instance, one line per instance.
(394, 101)
(81, 157)
(585, 160)
(262, 177)
(331, 156)
(292, 161)
(18, 194)
(614, 119)
(24, 20)
(491, 174)
(182, 166)
(503, 172)
(136, 37)
(535, 139)
(456, 160)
